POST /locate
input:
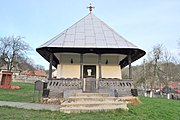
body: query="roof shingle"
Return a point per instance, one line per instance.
(92, 32)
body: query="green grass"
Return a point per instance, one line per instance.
(24, 94)
(156, 109)
(150, 109)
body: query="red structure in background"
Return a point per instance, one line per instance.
(6, 80)
(34, 73)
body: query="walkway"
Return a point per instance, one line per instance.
(33, 106)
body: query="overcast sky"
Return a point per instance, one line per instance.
(143, 22)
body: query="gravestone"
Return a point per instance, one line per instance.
(41, 86)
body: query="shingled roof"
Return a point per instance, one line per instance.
(90, 31)
(90, 34)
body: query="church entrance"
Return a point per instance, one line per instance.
(89, 74)
(89, 71)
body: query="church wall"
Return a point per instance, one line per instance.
(73, 71)
(111, 71)
(90, 59)
(111, 59)
(70, 71)
(58, 71)
(97, 71)
(66, 58)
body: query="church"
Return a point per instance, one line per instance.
(89, 57)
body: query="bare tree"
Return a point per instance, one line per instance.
(10, 48)
(157, 53)
(40, 67)
(26, 63)
(167, 70)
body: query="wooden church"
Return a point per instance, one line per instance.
(89, 57)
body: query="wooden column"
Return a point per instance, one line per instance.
(81, 66)
(120, 72)
(99, 62)
(50, 66)
(130, 67)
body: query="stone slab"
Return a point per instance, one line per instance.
(71, 92)
(34, 106)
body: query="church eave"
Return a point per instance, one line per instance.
(45, 53)
(134, 52)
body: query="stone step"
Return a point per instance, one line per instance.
(129, 99)
(92, 99)
(92, 95)
(85, 109)
(94, 104)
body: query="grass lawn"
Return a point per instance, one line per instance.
(151, 109)
(24, 94)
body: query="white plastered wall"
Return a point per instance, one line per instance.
(58, 71)
(72, 70)
(111, 71)
(110, 66)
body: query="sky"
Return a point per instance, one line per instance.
(145, 23)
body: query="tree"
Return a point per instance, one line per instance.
(11, 48)
(40, 67)
(25, 63)
(155, 56)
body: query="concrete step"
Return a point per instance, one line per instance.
(94, 104)
(92, 99)
(87, 102)
(92, 95)
(85, 109)
(129, 99)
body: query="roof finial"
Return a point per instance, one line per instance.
(90, 8)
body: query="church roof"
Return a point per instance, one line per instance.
(90, 35)
(91, 32)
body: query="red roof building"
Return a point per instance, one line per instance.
(34, 73)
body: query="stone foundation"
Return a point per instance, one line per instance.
(64, 88)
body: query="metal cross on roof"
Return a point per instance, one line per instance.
(90, 8)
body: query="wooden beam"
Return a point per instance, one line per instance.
(81, 66)
(130, 67)
(50, 66)
(99, 62)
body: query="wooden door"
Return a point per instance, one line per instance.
(89, 74)
(89, 71)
